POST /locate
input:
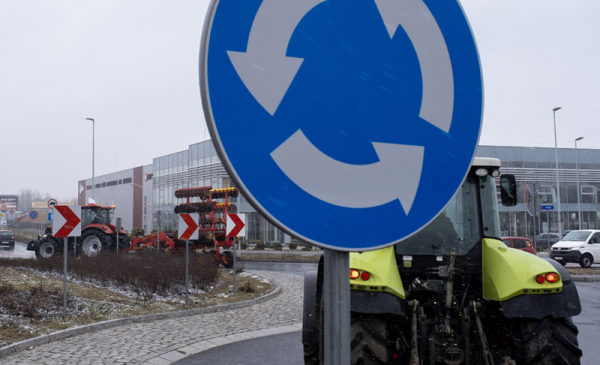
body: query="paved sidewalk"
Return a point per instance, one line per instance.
(166, 341)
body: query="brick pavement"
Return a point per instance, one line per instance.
(166, 341)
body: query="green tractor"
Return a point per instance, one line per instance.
(453, 293)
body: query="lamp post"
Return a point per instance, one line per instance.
(93, 156)
(578, 192)
(557, 183)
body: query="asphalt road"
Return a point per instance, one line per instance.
(20, 251)
(287, 349)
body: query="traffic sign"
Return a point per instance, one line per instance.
(11, 212)
(67, 221)
(188, 225)
(52, 203)
(357, 110)
(236, 225)
(548, 207)
(33, 214)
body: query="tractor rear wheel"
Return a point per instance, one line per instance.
(549, 341)
(369, 343)
(46, 249)
(91, 245)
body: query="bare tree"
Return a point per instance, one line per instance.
(27, 196)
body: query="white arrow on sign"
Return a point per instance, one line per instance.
(424, 32)
(264, 67)
(395, 176)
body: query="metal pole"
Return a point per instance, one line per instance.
(93, 156)
(234, 268)
(578, 191)
(336, 308)
(187, 272)
(65, 278)
(557, 182)
(535, 217)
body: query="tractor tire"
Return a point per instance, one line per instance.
(124, 242)
(368, 334)
(46, 249)
(562, 262)
(227, 259)
(586, 261)
(549, 341)
(91, 243)
(311, 355)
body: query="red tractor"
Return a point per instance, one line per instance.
(97, 234)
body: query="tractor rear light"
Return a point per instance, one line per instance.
(365, 276)
(540, 279)
(552, 277)
(383, 288)
(354, 274)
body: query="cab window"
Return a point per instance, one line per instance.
(506, 242)
(595, 238)
(518, 243)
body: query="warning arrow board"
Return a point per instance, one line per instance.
(66, 221)
(236, 225)
(188, 224)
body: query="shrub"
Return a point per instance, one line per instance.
(268, 244)
(307, 246)
(244, 246)
(277, 246)
(259, 246)
(293, 246)
(146, 274)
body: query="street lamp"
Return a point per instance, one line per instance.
(557, 183)
(578, 192)
(93, 157)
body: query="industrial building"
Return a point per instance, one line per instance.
(144, 196)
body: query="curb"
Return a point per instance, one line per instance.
(174, 356)
(585, 277)
(59, 335)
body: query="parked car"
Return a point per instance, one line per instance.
(547, 239)
(7, 238)
(519, 243)
(582, 247)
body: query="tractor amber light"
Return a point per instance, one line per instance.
(540, 279)
(354, 274)
(365, 276)
(552, 277)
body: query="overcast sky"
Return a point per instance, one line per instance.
(133, 66)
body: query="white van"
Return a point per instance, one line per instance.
(581, 247)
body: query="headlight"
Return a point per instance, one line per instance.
(575, 248)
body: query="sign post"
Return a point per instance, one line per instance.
(66, 223)
(119, 221)
(188, 225)
(366, 129)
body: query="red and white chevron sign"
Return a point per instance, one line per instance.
(188, 225)
(66, 221)
(236, 225)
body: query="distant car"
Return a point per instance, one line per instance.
(581, 247)
(519, 243)
(7, 238)
(547, 239)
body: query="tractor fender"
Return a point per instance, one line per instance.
(562, 304)
(101, 227)
(310, 330)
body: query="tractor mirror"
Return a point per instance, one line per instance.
(508, 190)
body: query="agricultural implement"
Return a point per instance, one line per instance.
(212, 232)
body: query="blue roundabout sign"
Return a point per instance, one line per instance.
(349, 124)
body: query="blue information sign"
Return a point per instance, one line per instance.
(548, 207)
(349, 124)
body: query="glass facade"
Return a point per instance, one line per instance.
(535, 171)
(200, 166)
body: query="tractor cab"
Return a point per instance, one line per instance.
(95, 214)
